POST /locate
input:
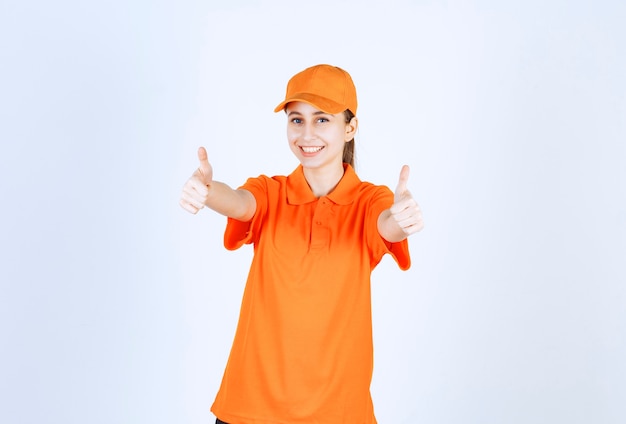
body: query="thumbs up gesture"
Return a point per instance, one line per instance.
(196, 189)
(205, 171)
(405, 210)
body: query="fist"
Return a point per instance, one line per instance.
(196, 189)
(405, 210)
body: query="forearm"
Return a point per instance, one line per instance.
(238, 204)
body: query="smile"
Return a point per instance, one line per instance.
(311, 149)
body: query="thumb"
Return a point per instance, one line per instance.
(205, 167)
(402, 182)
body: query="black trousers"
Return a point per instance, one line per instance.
(218, 421)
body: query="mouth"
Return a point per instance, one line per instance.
(311, 149)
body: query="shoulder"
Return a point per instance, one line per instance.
(368, 190)
(266, 181)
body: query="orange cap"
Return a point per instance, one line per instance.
(326, 87)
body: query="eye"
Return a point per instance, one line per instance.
(296, 120)
(322, 120)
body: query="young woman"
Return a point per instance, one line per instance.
(303, 349)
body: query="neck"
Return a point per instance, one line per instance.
(323, 181)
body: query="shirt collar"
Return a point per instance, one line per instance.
(299, 192)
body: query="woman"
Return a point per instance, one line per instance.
(303, 350)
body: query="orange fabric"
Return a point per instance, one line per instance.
(303, 350)
(326, 87)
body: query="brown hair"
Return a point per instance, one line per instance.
(349, 155)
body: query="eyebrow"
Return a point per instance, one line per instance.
(319, 112)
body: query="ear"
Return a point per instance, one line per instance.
(351, 128)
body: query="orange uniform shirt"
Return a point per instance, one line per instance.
(303, 350)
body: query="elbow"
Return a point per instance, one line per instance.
(247, 206)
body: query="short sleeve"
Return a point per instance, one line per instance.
(380, 201)
(237, 232)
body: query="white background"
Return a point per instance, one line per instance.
(116, 306)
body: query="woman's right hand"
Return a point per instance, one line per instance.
(196, 189)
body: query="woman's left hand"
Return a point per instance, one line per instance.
(405, 210)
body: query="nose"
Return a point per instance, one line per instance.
(308, 132)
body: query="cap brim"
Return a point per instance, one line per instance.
(321, 103)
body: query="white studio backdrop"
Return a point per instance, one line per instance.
(116, 306)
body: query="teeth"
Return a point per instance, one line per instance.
(311, 149)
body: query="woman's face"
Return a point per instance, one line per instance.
(317, 138)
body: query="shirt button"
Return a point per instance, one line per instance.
(318, 222)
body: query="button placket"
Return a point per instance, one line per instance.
(320, 233)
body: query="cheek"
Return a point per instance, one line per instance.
(339, 135)
(292, 134)
(292, 139)
(339, 130)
